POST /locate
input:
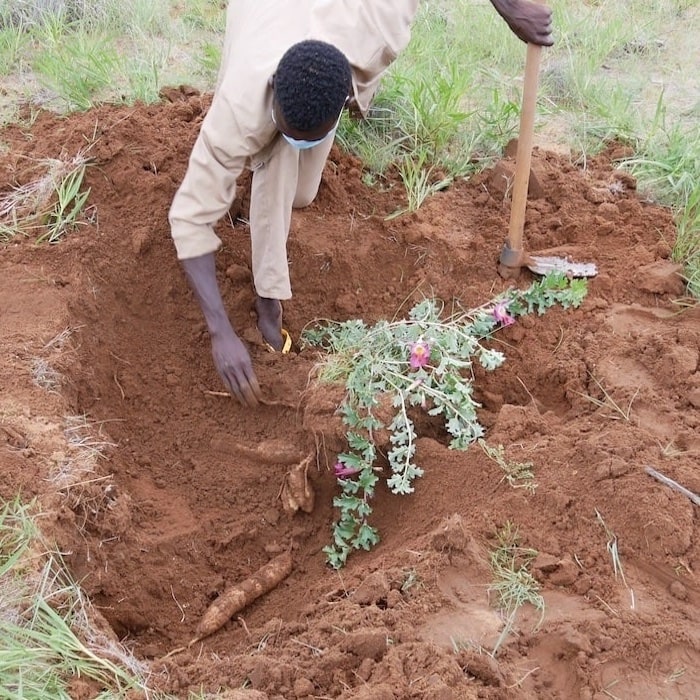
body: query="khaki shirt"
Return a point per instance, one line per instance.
(238, 131)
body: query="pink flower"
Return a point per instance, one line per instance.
(420, 354)
(500, 313)
(342, 471)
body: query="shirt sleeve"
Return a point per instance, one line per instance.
(209, 186)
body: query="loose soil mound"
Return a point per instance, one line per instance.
(182, 504)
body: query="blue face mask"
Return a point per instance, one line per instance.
(301, 144)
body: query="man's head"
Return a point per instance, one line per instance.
(311, 86)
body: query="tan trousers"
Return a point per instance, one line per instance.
(288, 178)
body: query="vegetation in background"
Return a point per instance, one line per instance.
(445, 108)
(71, 54)
(667, 165)
(92, 59)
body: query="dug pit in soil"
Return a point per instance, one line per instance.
(191, 502)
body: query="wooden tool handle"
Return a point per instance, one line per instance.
(524, 152)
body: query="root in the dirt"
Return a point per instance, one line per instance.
(264, 402)
(271, 451)
(694, 498)
(234, 599)
(297, 492)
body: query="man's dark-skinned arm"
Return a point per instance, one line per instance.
(529, 21)
(231, 357)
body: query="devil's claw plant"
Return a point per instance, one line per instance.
(423, 362)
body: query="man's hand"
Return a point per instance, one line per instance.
(231, 357)
(233, 363)
(529, 21)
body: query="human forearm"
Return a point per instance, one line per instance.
(230, 355)
(204, 196)
(201, 275)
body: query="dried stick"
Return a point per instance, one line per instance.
(674, 485)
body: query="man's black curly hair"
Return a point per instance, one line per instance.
(312, 82)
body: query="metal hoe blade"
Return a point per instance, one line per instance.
(543, 265)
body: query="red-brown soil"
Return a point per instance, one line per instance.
(185, 508)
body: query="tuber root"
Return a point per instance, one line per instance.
(297, 492)
(234, 599)
(272, 451)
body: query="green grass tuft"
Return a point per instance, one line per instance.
(93, 59)
(668, 171)
(48, 206)
(513, 583)
(48, 638)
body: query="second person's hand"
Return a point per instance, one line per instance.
(530, 21)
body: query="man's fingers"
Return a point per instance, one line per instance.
(546, 38)
(249, 396)
(245, 388)
(542, 38)
(543, 19)
(232, 384)
(251, 390)
(253, 383)
(236, 387)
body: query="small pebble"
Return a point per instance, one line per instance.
(272, 516)
(678, 590)
(303, 687)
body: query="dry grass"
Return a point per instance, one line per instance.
(74, 475)
(49, 203)
(616, 411)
